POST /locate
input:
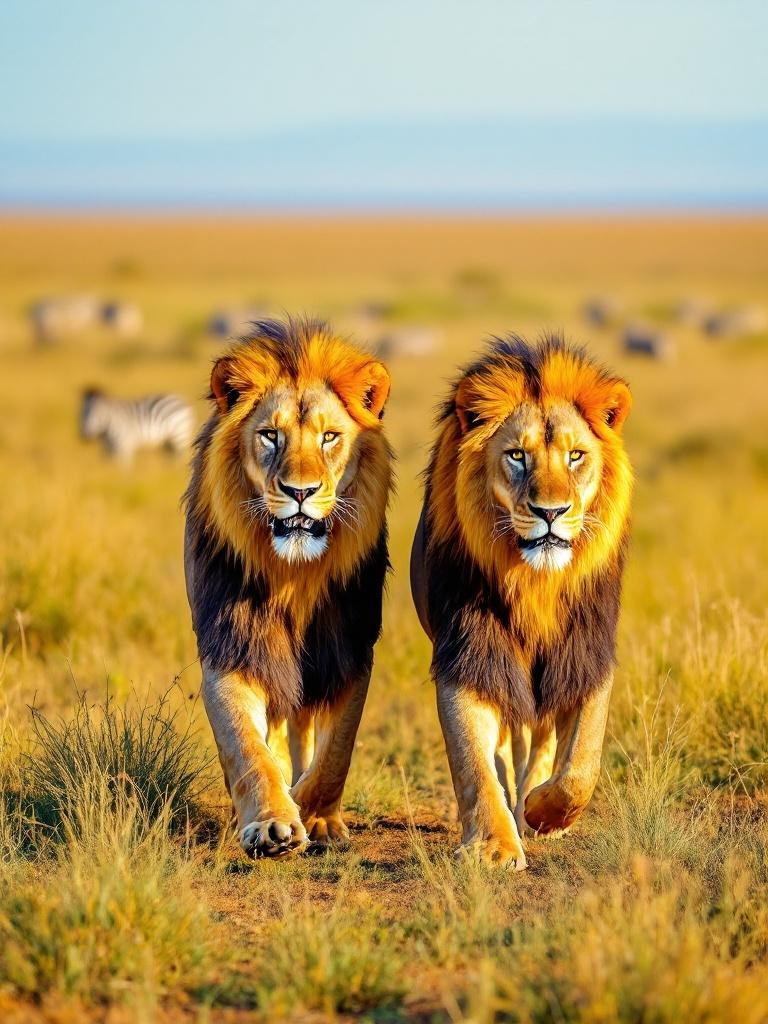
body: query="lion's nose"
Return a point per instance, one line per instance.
(298, 493)
(549, 515)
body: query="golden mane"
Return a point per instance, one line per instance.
(296, 354)
(288, 638)
(459, 512)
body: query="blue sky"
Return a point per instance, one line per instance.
(249, 102)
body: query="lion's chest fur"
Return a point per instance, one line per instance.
(302, 638)
(530, 647)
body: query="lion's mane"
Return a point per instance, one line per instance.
(303, 634)
(531, 643)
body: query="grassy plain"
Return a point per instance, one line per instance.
(115, 905)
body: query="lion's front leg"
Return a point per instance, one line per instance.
(268, 820)
(319, 790)
(301, 741)
(535, 767)
(557, 803)
(471, 729)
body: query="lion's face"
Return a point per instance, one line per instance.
(541, 474)
(299, 453)
(544, 468)
(297, 457)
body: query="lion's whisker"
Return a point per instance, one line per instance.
(256, 509)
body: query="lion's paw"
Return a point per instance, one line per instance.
(496, 852)
(325, 832)
(525, 831)
(273, 837)
(554, 806)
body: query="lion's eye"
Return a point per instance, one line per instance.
(517, 455)
(269, 437)
(575, 456)
(330, 436)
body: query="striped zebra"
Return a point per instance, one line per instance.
(125, 425)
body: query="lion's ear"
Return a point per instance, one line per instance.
(467, 417)
(365, 392)
(618, 403)
(377, 383)
(222, 388)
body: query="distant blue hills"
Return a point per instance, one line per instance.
(560, 164)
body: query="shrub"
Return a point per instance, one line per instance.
(104, 749)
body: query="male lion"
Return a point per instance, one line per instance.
(516, 576)
(285, 558)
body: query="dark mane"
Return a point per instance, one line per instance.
(239, 628)
(475, 646)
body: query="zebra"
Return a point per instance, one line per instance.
(124, 425)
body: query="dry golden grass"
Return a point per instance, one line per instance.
(652, 910)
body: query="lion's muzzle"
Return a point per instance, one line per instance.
(299, 537)
(299, 524)
(547, 551)
(547, 540)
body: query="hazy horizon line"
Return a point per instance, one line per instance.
(444, 164)
(162, 210)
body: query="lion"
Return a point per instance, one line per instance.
(516, 572)
(286, 560)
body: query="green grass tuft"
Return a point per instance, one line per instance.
(137, 751)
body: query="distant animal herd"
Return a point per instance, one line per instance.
(166, 421)
(644, 339)
(64, 316)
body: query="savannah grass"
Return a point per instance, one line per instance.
(120, 887)
(110, 916)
